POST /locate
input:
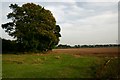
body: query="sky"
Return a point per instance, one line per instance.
(81, 22)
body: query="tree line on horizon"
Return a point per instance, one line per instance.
(11, 46)
(61, 46)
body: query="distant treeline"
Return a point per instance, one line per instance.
(9, 46)
(87, 46)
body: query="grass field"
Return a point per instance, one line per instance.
(62, 63)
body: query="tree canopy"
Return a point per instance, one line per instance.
(33, 26)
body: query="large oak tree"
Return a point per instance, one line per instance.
(33, 26)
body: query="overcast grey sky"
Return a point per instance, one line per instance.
(81, 22)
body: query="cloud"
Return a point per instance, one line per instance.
(58, 12)
(98, 0)
(92, 27)
(104, 18)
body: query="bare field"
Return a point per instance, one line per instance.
(89, 51)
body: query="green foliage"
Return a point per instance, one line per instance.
(8, 46)
(34, 27)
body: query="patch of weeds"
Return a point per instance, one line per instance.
(107, 70)
(95, 68)
(17, 61)
(57, 57)
(37, 61)
(111, 69)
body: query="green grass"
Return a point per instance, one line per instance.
(50, 66)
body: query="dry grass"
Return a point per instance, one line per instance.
(89, 51)
(14, 60)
